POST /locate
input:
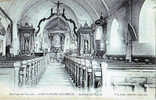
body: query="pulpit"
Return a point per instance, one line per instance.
(26, 37)
(100, 37)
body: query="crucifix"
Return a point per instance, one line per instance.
(58, 7)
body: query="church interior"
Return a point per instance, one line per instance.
(79, 45)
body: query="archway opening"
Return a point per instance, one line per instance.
(57, 35)
(115, 42)
(147, 24)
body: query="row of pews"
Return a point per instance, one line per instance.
(145, 82)
(84, 72)
(140, 73)
(25, 72)
(114, 72)
(31, 71)
(143, 59)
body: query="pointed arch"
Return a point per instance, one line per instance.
(115, 40)
(147, 23)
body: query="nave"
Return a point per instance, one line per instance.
(56, 81)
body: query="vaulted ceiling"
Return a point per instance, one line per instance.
(80, 10)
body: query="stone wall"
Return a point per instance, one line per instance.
(129, 12)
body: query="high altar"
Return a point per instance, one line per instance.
(57, 42)
(57, 30)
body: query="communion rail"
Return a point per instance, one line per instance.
(84, 72)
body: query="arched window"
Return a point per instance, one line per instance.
(147, 23)
(115, 42)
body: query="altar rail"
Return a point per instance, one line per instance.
(84, 72)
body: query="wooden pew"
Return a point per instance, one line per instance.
(82, 72)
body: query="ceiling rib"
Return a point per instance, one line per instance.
(82, 6)
(106, 6)
(93, 9)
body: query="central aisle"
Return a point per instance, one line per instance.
(56, 79)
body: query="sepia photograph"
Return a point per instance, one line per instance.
(77, 49)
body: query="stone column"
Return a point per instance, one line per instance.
(4, 46)
(129, 48)
(15, 49)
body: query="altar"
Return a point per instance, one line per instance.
(57, 30)
(57, 42)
